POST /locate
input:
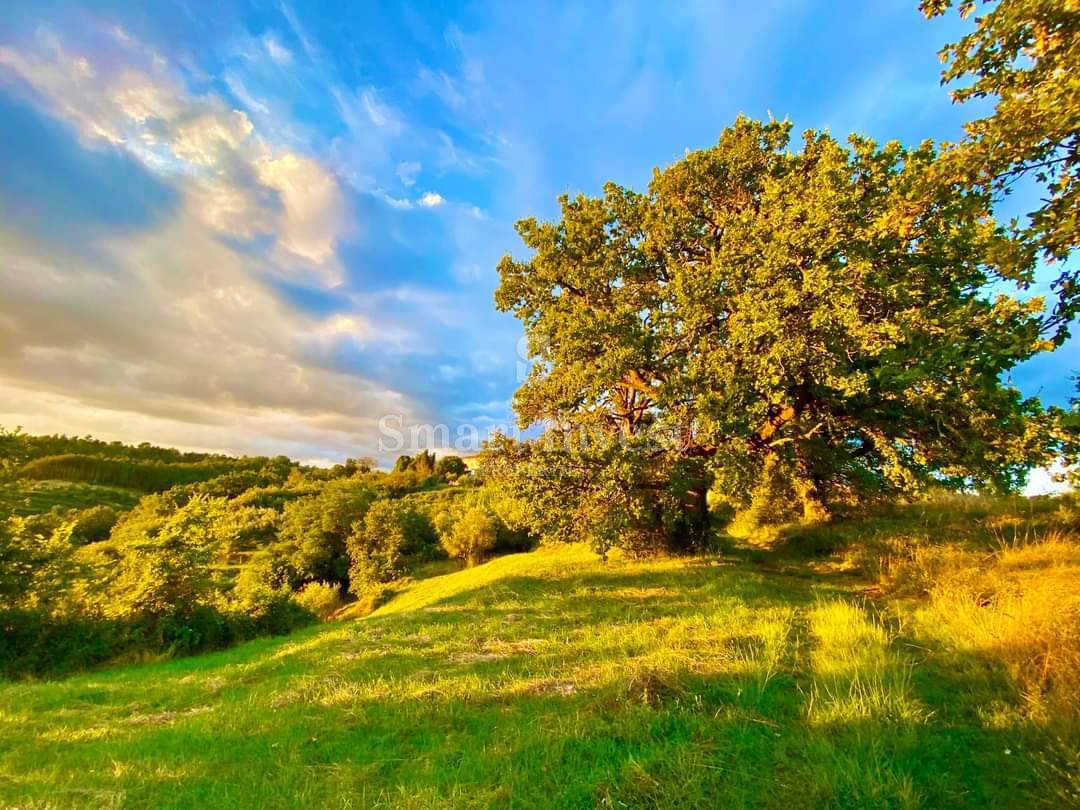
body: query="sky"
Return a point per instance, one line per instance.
(273, 227)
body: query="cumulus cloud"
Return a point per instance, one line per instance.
(431, 199)
(171, 332)
(242, 184)
(172, 325)
(314, 207)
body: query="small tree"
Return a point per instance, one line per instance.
(379, 547)
(449, 467)
(474, 533)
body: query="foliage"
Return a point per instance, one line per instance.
(1024, 55)
(322, 599)
(450, 467)
(165, 570)
(423, 463)
(145, 476)
(353, 466)
(611, 494)
(314, 530)
(833, 307)
(23, 497)
(40, 567)
(91, 525)
(445, 507)
(391, 532)
(1067, 428)
(472, 535)
(23, 447)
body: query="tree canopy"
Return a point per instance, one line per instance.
(835, 310)
(1024, 56)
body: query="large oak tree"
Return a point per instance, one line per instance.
(837, 313)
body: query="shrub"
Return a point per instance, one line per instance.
(322, 599)
(391, 531)
(260, 599)
(314, 530)
(450, 467)
(474, 533)
(92, 525)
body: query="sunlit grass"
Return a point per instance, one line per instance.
(26, 497)
(858, 672)
(553, 679)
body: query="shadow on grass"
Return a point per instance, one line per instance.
(683, 685)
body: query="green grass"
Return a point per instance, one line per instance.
(25, 497)
(552, 679)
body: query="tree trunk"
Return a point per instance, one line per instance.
(693, 532)
(808, 489)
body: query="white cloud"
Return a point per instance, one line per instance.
(209, 138)
(407, 172)
(381, 115)
(228, 208)
(431, 199)
(103, 107)
(314, 207)
(172, 333)
(230, 173)
(278, 52)
(399, 203)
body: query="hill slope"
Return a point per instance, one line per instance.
(553, 679)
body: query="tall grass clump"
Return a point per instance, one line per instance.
(1019, 605)
(857, 673)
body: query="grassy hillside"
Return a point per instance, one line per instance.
(25, 497)
(754, 678)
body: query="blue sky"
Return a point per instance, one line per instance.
(263, 227)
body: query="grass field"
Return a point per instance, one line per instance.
(24, 497)
(552, 679)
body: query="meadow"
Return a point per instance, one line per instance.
(934, 664)
(26, 497)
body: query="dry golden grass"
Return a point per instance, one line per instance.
(993, 578)
(1019, 605)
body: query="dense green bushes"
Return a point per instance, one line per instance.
(472, 535)
(237, 548)
(393, 533)
(314, 530)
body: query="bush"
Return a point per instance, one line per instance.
(391, 531)
(474, 533)
(314, 530)
(322, 599)
(450, 467)
(92, 525)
